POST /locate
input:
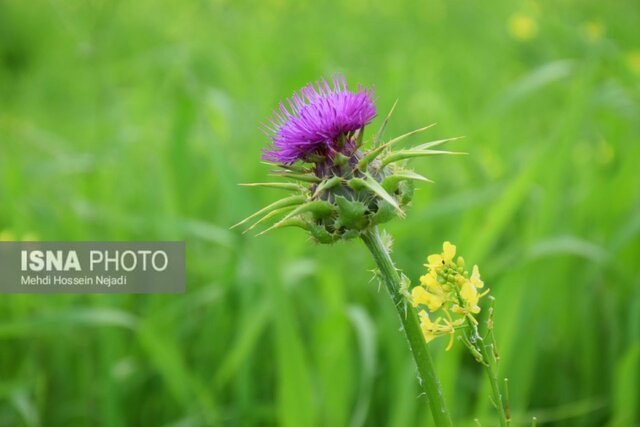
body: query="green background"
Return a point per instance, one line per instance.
(137, 120)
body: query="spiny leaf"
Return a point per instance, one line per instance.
(298, 176)
(267, 217)
(390, 183)
(280, 185)
(325, 185)
(371, 155)
(408, 154)
(432, 144)
(287, 201)
(378, 137)
(290, 168)
(408, 134)
(319, 208)
(372, 184)
(291, 222)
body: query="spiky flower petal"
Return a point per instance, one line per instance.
(318, 121)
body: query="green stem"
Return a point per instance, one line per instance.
(411, 327)
(492, 372)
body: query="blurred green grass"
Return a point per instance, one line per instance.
(137, 120)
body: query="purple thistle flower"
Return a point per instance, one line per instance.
(319, 121)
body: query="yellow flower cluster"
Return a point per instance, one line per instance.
(449, 291)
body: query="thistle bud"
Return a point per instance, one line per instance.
(343, 188)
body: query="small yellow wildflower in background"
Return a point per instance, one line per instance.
(593, 31)
(7, 236)
(633, 61)
(10, 236)
(449, 293)
(522, 27)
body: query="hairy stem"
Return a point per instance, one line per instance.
(411, 328)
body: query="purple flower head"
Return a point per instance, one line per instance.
(319, 121)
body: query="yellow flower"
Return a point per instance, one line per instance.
(522, 27)
(428, 327)
(420, 296)
(7, 236)
(432, 330)
(633, 61)
(593, 30)
(430, 281)
(470, 296)
(475, 278)
(438, 260)
(434, 261)
(449, 292)
(448, 251)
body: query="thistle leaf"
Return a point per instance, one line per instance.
(432, 144)
(408, 154)
(267, 217)
(318, 208)
(373, 185)
(290, 168)
(378, 137)
(291, 222)
(325, 185)
(280, 185)
(390, 183)
(287, 201)
(297, 176)
(408, 134)
(371, 155)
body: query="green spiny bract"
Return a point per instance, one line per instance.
(340, 197)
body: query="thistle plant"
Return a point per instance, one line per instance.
(343, 187)
(342, 190)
